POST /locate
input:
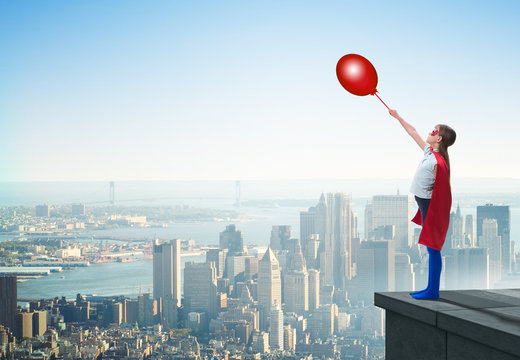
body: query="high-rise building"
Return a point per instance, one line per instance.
(503, 218)
(280, 235)
(43, 210)
(296, 283)
(376, 268)
(78, 210)
(321, 321)
(39, 322)
(276, 328)
(167, 271)
(490, 240)
(469, 233)
(404, 274)
(335, 261)
(314, 289)
(200, 288)
(8, 302)
(269, 283)
(457, 235)
(289, 338)
(218, 256)
(467, 268)
(392, 210)
(232, 239)
(24, 325)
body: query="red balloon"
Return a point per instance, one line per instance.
(357, 75)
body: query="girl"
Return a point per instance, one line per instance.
(431, 187)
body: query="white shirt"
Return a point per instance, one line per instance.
(422, 184)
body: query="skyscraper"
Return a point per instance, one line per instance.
(276, 328)
(503, 217)
(269, 282)
(392, 210)
(467, 268)
(457, 236)
(314, 289)
(280, 235)
(167, 271)
(336, 265)
(8, 301)
(296, 283)
(490, 240)
(376, 268)
(200, 288)
(232, 239)
(469, 231)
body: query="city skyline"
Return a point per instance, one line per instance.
(194, 90)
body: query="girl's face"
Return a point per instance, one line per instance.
(434, 137)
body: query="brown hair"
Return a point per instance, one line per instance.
(448, 138)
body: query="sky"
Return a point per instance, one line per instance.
(213, 90)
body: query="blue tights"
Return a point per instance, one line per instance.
(435, 263)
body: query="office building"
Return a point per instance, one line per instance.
(276, 328)
(503, 217)
(280, 235)
(392, 210)
(232, 239)
(490, 240)
(8, 302)
(200, 288)
(467, 268)
(167, 271)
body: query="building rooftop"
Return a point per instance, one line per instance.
(462, 324)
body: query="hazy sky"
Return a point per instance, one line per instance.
(137, 90)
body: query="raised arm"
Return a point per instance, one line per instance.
(409, 129)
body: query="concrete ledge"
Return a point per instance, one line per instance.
(464, 324)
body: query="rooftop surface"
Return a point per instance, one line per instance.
(487, 317)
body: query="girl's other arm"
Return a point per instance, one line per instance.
(409, 129)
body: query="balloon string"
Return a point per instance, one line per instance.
(381, 100)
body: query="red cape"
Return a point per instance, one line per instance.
(435, 227)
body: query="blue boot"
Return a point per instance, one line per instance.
(434, 277)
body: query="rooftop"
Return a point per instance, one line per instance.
(462, 324)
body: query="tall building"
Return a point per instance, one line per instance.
(43, 210)
(404, 274)
(8, 302)
(167, 271)
(280, 235)
(376, 268)
(276, 328)
(503, 218)
(490, 240)
(469, 232)
(232, 239)
(467, 268)
(200, 288)
(457, 235)
(392, 210)
(296, 284)
(269, 282)
(335, 261)
(314, 289)
(78, 210)
(218, 256)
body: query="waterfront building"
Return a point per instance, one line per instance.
(167, 271)
(8, 302)
(218, 256)
(232, 239)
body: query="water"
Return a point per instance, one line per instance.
(130, 278)
(107, 279)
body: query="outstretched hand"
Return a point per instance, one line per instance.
(394, 113)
